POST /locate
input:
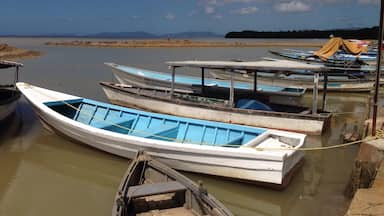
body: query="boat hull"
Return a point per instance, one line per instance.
(276, 120)
(137, 79)
(146, 177)
(8, 103)
(236, 163)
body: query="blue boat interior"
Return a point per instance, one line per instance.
(208, 82)
(154, 126)
(252, 104)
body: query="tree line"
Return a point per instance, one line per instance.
(362, 33)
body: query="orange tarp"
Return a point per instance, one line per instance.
(334, 44)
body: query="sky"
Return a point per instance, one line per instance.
(172, 16)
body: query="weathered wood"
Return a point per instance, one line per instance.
(155, 189)
(315, 93)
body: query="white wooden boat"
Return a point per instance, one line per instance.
(149, 187)
(245, 111)
(199, 146)
(147, 78)
(8, 92)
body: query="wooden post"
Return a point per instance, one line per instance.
(315, 92)
(255, 81)
(377, 81)
(16, 75)
(173, 80)
(325, 85)
(232, 91)
(202, 80)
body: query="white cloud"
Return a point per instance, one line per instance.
(293, 6)
(246, 10)
(170, 16)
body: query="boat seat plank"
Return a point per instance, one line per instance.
(120, 127)
(162, 132)
(235, 141)
(170, 132)
(155, 189)
(169, 212)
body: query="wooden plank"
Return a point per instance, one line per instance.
(155, 189)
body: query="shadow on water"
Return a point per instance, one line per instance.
(52, 175)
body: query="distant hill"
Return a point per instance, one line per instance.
(127, 35)
(144, 35)
(363, 33)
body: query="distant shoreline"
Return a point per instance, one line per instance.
(178, 43)
(8, 53)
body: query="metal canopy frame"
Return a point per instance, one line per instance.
(253, 67)
(4, 64)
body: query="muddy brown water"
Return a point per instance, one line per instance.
(45, 174)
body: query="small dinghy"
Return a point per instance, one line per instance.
(151, 188)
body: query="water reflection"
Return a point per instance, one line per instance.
(44, 174)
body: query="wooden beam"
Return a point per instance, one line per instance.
(255, 81)
(173, 80)
(315, 92)
(232, 92)
(202, 80)
(377, 81)
(325, 86)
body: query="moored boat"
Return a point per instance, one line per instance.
(336, 52)
(245, 111)
(8, 92)
(147, 78)
(149, 187)
(243, 153)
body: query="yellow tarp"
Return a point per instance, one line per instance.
(334, 44)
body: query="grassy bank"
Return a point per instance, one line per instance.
(9, 52)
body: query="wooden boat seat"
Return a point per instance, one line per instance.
(235, 141)
(252, 104)
(125, 126)
(162, 132)
(155, 189)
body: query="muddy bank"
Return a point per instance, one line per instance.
(172, 43)
(9, 52)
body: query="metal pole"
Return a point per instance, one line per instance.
(325, 85)
(315, 92)
(16, 75)
(202, 80)
(173, 80)
(232, 91)
(255, 81)
(377, 81)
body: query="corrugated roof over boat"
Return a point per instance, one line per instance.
(8, 64)
(248, 65)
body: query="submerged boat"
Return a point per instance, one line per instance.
(147, 78)
(245, 111)
(199, 146)
(8, 92)
(149, 187)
